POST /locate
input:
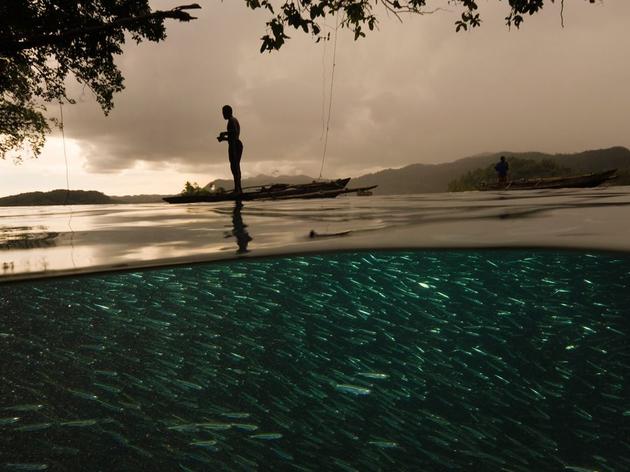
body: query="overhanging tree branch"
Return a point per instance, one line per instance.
(9, 46)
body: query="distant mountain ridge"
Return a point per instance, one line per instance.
(414, 178)
(75, 197)
(56, 197)
(428, 178)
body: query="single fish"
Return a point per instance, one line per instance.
(25, 407)
(214, 426)
(574, 468)
(10, 420)
(209, 443)
(185, 428)
(384, 444)
(266, 436)
(33, 427)
(84, 395)
(353, 389)
(16, 466)
(78, 423)
(373, 375)
(236, 415)
(245, 426)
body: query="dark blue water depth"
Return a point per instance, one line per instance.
(428, 360)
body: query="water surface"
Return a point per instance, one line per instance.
(45, 241)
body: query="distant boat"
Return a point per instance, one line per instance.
(574, 181)
(364, 193)
(327, 189)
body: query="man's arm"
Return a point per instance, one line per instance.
(233, 131)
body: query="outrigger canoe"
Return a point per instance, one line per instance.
(574, 181)
(327, 189)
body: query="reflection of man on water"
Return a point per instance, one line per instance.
(235, 146)
(502, 168)
(239, 231)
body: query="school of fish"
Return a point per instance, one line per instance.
(430, 360)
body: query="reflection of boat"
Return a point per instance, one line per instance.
(574, 181)
(27, 237)
(328, 189)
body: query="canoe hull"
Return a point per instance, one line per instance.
(279, 191)
(576, 181)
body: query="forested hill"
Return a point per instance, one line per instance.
(56, 197)
(427, 178)
(415, 178)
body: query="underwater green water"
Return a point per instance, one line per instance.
(427, 360)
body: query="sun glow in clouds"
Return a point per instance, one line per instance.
(48, 172)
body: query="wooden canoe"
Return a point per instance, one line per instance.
(574, 181)
(328, 189)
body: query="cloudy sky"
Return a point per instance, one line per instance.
(412, 92)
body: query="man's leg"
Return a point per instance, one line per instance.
(236, 174)
(235, 167)
(238, 153)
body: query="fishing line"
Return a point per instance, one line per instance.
(65, 157)
(65, 154)
(330, 97)
(323, 90)
(312, 234)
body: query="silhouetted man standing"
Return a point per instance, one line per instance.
(502, 168)
(235, 146)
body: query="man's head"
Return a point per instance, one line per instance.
(227, 111)
(502, 157)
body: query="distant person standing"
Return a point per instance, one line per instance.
(235, 146)
(502, 168)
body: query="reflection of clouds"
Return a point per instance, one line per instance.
(128, 236)
(28, 246)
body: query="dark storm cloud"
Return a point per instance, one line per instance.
(412, 92)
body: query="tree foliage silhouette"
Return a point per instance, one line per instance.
(361, 15)
(43, 42)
